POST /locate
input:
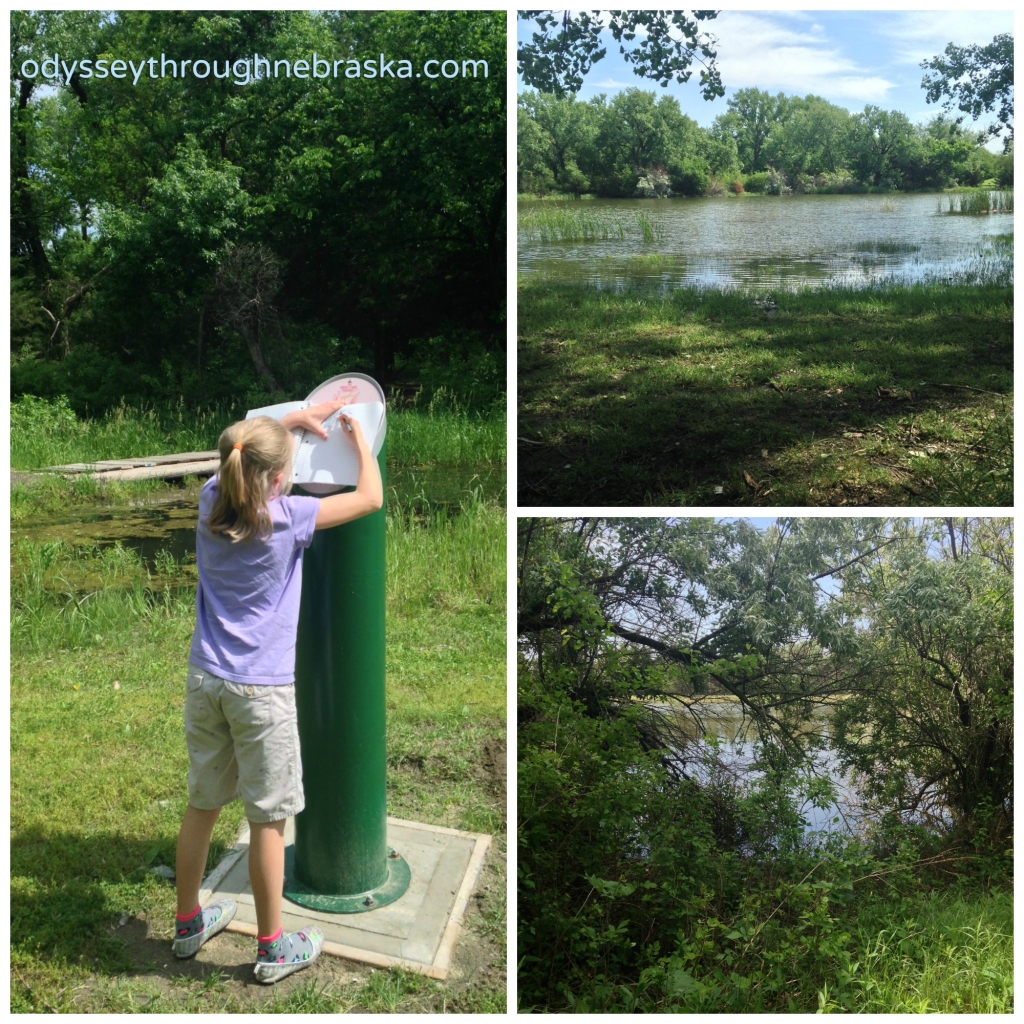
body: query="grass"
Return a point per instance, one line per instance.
(48, 433)
(945, 953)
(580, 224)
(891, 395)
(438, 438)
(98, 772)
(975, 202)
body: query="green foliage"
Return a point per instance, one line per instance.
(755, 182)
(601, 146)
(559, 56)
(649, 884)
(976, 79)
(691, 177)
(206, 238)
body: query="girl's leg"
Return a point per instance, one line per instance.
(190, 862)
(266, 873)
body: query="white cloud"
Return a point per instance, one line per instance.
(923, 34)
(759, 50)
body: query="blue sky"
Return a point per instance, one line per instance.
(851, 58)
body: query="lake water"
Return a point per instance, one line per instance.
(771, 242)
(736, 736)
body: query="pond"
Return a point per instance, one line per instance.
(726, 744)
(776, 242)
(166, 520)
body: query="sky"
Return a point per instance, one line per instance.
(851, 58)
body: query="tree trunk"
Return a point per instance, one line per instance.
(251, 334)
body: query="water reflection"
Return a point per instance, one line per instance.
(765, 242)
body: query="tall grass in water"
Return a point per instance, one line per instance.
(650, 230)
(71, 596)
(977, 203)
(568, 224)
(573, 224)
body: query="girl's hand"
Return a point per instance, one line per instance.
(312, 418)
(351, 427)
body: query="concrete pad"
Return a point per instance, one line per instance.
(417, 931)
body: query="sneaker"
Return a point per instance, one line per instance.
(292, 959)
(216, 917)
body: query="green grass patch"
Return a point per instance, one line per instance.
(48, 433)
(891, 395)
(98, 771)
(946, 953)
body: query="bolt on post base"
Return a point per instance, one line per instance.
(393, 888)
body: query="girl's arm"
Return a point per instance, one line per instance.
(366, 498)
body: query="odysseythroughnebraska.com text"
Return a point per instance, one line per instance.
(250, 69)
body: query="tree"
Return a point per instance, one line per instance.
(564, 50)
(556, 131)
(931, 727)
(879, 141)
(977, 79)
(812, 139)
(903, 630)
(381, 202)
(754, 115)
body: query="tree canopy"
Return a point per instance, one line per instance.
(560, 55)
(977, 80)
(364, 217)
(763, 142)
(874, 617)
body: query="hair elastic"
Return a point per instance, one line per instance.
(238, 446)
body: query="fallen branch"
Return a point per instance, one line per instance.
(964, 387)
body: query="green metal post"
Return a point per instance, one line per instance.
(341, 861)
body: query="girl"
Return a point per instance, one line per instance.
(240, 706)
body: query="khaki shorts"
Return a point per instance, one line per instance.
(243, 742)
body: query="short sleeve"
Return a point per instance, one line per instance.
(303, 511)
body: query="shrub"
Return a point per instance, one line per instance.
(715, 187)
(691, 178)
(736, 185)
(755, 182)
(775, 183)
(654, 183)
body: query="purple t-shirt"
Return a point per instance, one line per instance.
(247, 603)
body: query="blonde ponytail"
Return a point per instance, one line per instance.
(252, 453)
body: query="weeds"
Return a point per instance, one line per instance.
(977, 202)
(579, 224)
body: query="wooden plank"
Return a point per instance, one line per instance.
(443, 957)
(169, 472)
(136, 463)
